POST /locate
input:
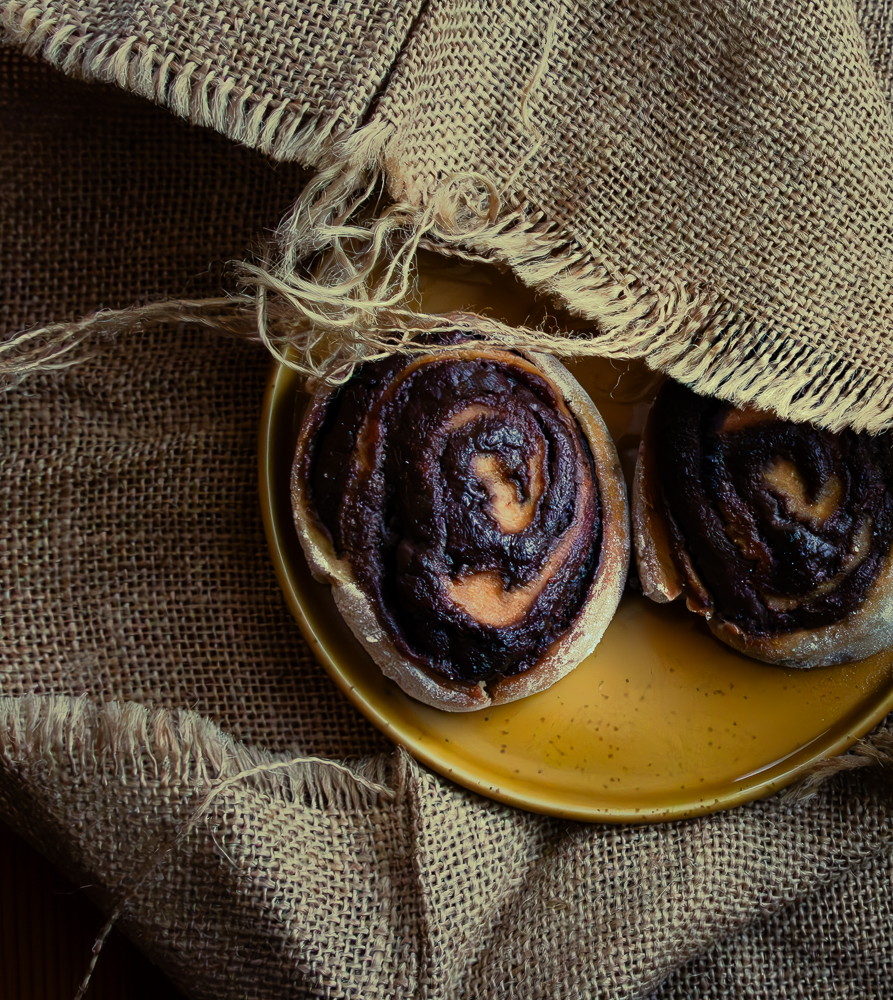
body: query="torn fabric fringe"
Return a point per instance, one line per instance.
(339, 289)
(875, 751)
(356, 302)
(125, 741)
(62, 345)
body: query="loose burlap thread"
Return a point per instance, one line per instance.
(134, 570)
(705, 183)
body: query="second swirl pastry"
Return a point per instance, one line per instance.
(468, 510)
(778, 533)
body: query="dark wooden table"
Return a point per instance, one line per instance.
(47, 931)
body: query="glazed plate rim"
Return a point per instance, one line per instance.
(304, 597)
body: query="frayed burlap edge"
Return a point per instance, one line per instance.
(124, 742)
(356, 304)
(192, 90)
(64, 741)
(132, 743)
(874, 750)
(336, 290)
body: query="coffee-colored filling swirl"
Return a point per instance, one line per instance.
(785, 525)
(461, 490)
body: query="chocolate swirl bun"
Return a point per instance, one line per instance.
(778, 533)
(468, 510)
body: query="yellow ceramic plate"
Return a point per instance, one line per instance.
(661, 722)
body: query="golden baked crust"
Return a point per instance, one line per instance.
(562, 655)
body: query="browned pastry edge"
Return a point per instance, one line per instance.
(865, 631)
(564, 654)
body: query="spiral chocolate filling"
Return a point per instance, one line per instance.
(461, 490)
(785, 525)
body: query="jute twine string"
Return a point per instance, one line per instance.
(337, 287)
(356, 306)
(61, 345)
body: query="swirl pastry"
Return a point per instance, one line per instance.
(778, 533)
(468, 509)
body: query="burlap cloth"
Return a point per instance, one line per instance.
(166, 735)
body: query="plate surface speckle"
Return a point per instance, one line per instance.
(661, 722)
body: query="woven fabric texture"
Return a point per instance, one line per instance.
(167, 736)
(706, 182)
